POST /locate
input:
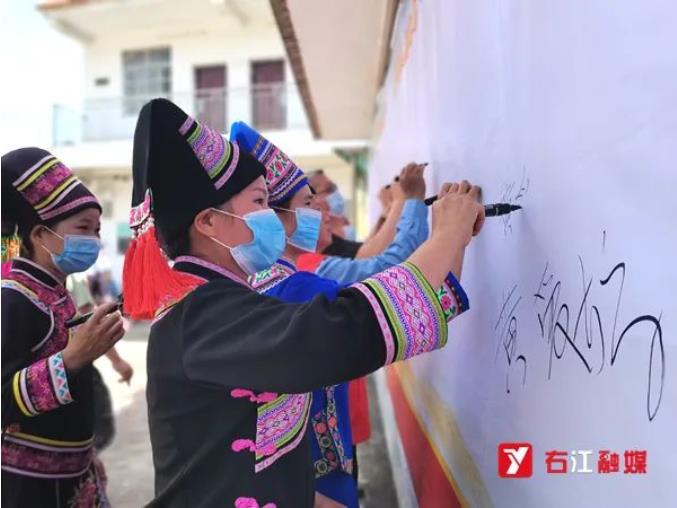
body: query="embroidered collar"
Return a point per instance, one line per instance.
(35, 272)
(287, 264)
(205, 269)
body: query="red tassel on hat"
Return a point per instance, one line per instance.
(148, 281)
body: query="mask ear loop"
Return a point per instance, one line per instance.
(230, 249)
(288, 210)
(55, 234)
(223, 212)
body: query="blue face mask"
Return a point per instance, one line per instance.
(349, 231)
(267, 245)
(79, 254)
(308, 222)
(336, 203)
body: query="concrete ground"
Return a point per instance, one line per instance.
(128, 460)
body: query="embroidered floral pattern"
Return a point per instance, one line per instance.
(38, 386)
(283, 177)
(452, 298)
(89, 493)
(326, 429)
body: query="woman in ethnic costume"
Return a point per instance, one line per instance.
(230, 371)
(47, 420)
(291, 197)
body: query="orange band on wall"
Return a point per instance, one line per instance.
(433, 489)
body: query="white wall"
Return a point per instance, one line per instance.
(570, 110)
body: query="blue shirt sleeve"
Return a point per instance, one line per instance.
(412, 230)
(302, 287)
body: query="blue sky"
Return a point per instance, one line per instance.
(40, 67)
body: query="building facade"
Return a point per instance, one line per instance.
(220, 60)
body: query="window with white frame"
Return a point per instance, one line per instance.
(147, 74)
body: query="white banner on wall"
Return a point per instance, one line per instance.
(568, 108)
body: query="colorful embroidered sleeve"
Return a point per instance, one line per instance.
(29, 387)
(42, 386)
(412, 316)
(233, 336)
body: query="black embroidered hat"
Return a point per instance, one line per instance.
(37, 188)
(180, 167)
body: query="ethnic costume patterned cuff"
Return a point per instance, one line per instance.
(413, 317)
(452, 297)
(42, 386)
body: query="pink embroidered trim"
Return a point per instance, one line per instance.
(231, 167)
(56, 299)
(412, 308)
(46, 183)
(250, 502)
(17, 286)
(30, 170)
(141, 212)
(70, 206)
(39, 387)
(260, 398)
(382, 322)
(186, 125)
(27, 459)
(61, 197)
(211, 266)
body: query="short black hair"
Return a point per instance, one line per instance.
(177, 246)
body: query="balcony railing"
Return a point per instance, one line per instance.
(266, 107)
